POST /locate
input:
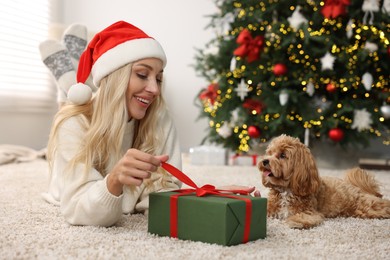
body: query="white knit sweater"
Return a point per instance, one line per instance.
(85, 200)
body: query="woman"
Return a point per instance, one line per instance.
(104, 153)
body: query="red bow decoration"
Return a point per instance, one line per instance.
(249, 47)
(334, 8)
(200, 192)
(252, 104)
(210, 93)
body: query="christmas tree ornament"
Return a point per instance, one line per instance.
(333, 9)
(249, 47)
(236, 117)
(369, 7)
(283, 97)
(327, 61)
(223, 24)
(225, 130)
(307, 137)
(331, 88)
(210, 94)
(253, 131)
(254, 106)
(367, 80)
(336, 134)
(242, 89)
(233, 64)
(361, 120)
(370, 46)
(349, 29)
(321, 103)
(385, 110)
(296, 19)
(212, 50)
(310, 89)
(279, 69)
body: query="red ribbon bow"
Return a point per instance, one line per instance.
(334, 8)
(249, 47)
(200, 192)
(210, 93)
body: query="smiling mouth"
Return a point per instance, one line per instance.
(142, 100)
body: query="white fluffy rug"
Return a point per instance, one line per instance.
(32, 229)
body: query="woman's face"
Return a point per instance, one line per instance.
(144, 86)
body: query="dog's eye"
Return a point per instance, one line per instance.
(282, 156)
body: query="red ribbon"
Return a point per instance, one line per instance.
(249, 47)
(210, 93)
(252, 104)
(200, 192)
(334, 8)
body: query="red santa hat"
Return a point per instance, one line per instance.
(110, 49)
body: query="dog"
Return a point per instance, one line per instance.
(304, 199)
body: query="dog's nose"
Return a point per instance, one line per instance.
(265, 162)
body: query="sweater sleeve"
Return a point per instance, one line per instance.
(84, 198)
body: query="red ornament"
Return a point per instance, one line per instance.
(279, 69)
(388, 51)
(253, 131)
(336, 134)
(331, 88)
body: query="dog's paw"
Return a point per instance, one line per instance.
(296, 225)
(304, 220)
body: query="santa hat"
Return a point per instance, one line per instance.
(112, 48)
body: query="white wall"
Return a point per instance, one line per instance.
(180, 27)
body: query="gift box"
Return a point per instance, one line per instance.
(210, 219)
(245, 159)
(374, 164)
(206, 214)
(208, 155)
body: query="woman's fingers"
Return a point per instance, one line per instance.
(162, 158)
(137, 166)
(256, 193)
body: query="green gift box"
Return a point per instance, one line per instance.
(211, 219)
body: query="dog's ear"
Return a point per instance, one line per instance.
(304, 179)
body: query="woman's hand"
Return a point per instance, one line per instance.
(132, 169)
(256, 193)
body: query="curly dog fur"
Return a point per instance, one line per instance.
(299, 195)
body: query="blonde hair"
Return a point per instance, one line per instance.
(104, 120)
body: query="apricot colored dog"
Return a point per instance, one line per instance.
(299, 195)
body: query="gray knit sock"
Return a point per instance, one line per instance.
(57, 58)
(75, 40)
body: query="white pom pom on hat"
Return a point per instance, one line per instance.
(79, 94)
(110, 49)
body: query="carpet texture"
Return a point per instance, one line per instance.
(32, 229)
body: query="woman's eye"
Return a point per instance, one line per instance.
(142, 76)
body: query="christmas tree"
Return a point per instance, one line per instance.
(310, 69)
